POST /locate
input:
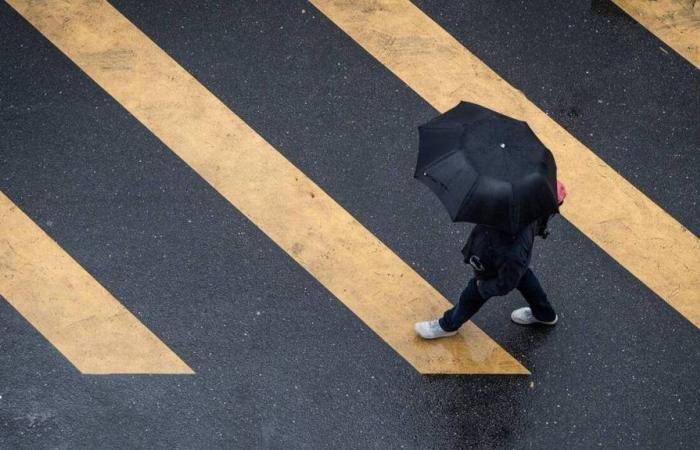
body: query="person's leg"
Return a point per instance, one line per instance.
(529, 286)
(469, 303)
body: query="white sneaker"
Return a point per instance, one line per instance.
(523, 316)
(432, 330)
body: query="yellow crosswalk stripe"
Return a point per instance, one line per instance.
(676, 22)
(625, 223)
(294, 212)
(69, 308)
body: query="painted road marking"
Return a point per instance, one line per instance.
(676, 22)
(381, 289)
(70, 308)
(625, 223)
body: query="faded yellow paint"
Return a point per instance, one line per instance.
(72, 310)
(676, 22)
(294, 212)
(625, 223)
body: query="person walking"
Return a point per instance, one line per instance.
(491, 170)
(501, 264)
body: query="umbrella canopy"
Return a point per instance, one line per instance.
(487, 168)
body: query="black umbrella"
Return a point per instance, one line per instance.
(487, 168)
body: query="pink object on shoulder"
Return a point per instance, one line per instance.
(561, 192)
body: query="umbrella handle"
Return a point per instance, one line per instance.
(475, 262)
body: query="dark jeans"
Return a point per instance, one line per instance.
(470, 301)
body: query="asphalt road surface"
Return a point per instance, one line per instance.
(279, 362)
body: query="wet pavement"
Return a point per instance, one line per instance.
(279, 362)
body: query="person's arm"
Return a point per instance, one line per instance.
(509, 274)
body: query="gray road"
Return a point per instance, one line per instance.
(280, 362)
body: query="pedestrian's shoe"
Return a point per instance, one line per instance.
(523, 316)
(432, 330)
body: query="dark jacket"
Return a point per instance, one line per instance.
(499, 259)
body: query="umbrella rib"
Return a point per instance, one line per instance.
(468, 196)
(437, 161)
